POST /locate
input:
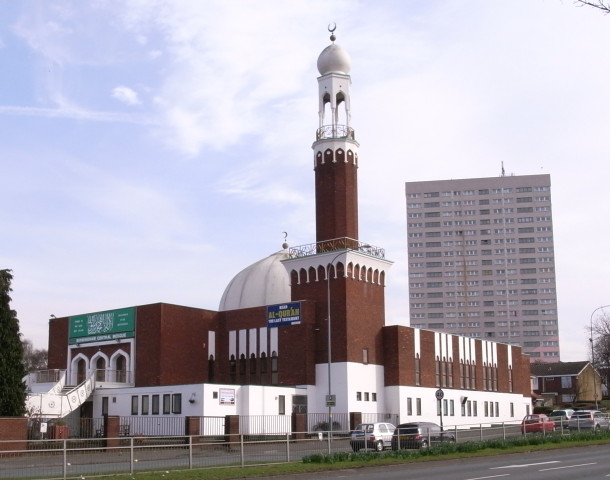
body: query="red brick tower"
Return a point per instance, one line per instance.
(342, 274)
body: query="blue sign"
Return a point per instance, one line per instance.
(284, 314)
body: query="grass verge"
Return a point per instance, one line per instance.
(343, 460)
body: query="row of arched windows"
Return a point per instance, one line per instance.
(254, 369)
(106, 369)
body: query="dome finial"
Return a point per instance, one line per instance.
(331, 28)
(285, 244)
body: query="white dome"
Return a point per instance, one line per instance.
(334, 59)
(265, 282)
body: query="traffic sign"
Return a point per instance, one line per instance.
(439, 394)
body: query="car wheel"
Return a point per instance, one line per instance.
(379, 446)
(597, 427)
(424, 444)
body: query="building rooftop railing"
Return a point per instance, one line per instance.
(335, 131)
(336, 244)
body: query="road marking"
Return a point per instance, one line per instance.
(525, 465)
(567, 466)
(491, 476)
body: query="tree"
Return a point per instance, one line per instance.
(34, 358)
(600, 343)
(12, 388)
(603, 5)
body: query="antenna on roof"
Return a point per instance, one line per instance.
(503, 173)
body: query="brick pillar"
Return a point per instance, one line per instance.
(299, 426)
(111, 430)
(192, 428)
(232, 428)
(355, 418)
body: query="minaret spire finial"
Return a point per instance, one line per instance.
(331, 28)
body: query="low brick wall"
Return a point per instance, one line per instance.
(13, 428)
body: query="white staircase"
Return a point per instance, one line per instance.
(55, 399)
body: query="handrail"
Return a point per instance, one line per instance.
(335, 244)
(335, 131)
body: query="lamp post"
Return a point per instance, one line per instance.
(329, 399)
(593, 352)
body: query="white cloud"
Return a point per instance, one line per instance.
(126, 95)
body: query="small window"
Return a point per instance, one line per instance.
(145, 399)
(177, 403)
(358, 396)
(374, 397)
(281, 400)
(134, 405)
(214, 395)
(365, 356)
(155, 404)
(366, 396)
(167, 404)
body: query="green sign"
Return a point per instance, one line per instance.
(100, 326)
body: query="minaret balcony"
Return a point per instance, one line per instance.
(336, 244)
(329, 132)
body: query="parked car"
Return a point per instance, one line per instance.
(561, 417)
(419, 435)
(537, 423)
(374, 436)
(588, 419)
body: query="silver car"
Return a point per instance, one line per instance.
(588, 419)
(372, 436)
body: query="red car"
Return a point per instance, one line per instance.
(537, 423)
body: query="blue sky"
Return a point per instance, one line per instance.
(150, 150)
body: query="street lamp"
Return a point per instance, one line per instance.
(593, 353)
(329, 398)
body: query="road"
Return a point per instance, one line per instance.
(590, 463)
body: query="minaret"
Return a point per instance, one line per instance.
(344, 276)
(335, 149)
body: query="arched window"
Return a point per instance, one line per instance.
(274, 368)
(211, 369)
(81, 371)
(121, 369)
(242, 364)
(252, 364)
(232, 367)
(263, 362)
(100, 369)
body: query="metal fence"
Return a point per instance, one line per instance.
(154, 425)
(73, 458)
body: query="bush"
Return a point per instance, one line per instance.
(459, 447)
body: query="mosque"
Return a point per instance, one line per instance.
(302, 330)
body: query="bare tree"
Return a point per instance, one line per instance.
(603, 5)
(600, 345)
(34, 358)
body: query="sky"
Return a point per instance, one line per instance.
(152, 149)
